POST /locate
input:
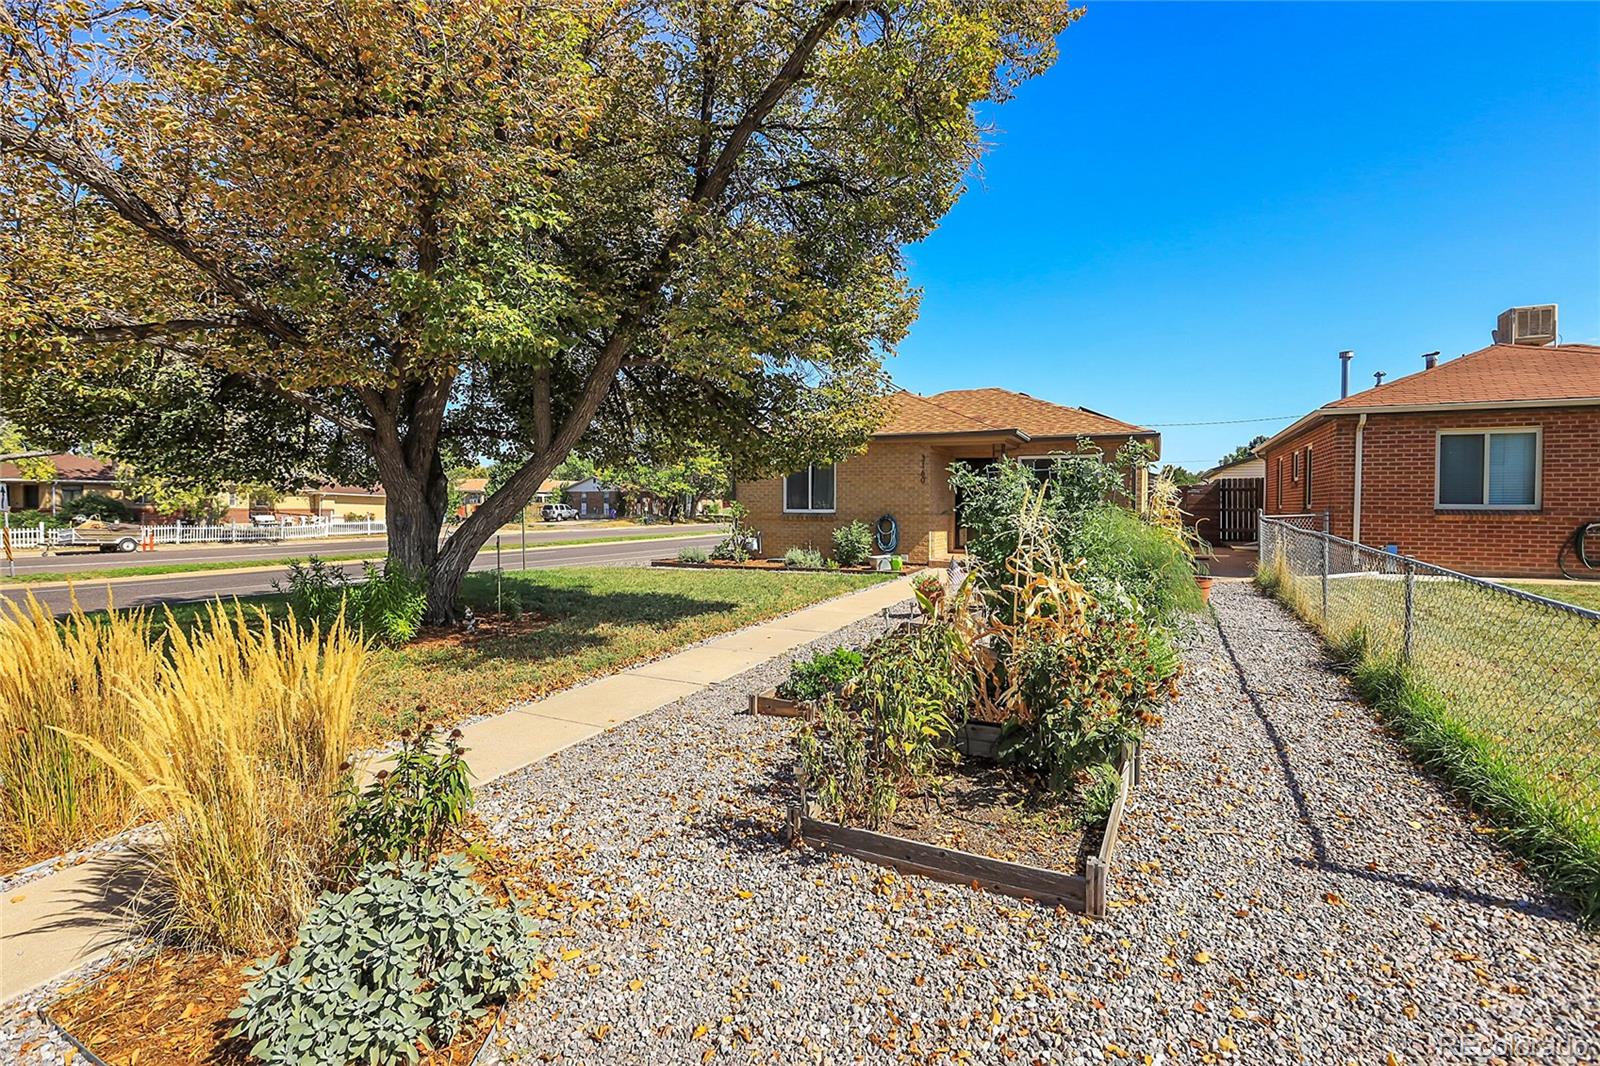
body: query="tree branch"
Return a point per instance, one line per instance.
(90, 170)
(112, 332)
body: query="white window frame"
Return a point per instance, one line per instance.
(1305, 489)
(811, 473)
(1538, 468)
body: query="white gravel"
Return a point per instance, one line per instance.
(1290, 889)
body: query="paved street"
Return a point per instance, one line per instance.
(71, 559)
(185, 588)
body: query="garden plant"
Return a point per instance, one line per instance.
(1063, 633)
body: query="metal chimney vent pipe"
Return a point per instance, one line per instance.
(1430, 360)
(1377, 375)
(1344, 373)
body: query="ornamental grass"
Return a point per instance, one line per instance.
(239, 751)
(58, 678)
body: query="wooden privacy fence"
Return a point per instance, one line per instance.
(1224, 511)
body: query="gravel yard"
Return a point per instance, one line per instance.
(1290, 889)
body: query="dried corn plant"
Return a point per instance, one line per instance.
(57, 677)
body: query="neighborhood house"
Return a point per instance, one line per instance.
(902, 478)
(1488, 463)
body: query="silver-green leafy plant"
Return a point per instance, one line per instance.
(802, 559)
(403, 961)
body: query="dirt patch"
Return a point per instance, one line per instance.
(489, 627)
(982, 811)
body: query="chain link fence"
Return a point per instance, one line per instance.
(1519, 672)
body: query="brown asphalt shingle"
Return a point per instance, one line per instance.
(1496, 374)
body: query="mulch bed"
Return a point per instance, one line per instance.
(777, 564)
(982, 811)
(173, 1006)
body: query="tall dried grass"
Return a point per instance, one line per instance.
(239, 751)
(71, 676)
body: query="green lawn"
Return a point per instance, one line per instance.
(1578, 595)
(1520, 677)
(576, 623)
(178, 567)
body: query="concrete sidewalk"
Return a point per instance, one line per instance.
(57, 923)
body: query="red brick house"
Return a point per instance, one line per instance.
(1488, 463)
(903, 471)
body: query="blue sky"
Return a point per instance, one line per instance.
(1201, 204)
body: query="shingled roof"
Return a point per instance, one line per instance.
(1510, 375)
(974, 411)
(1500, 373)
(69, 467)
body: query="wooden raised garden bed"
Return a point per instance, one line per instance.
(772, 705)
(1085, 892)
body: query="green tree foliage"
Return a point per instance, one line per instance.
(696, 474)
(1243, 451)
(360, 240)
(1180, 476)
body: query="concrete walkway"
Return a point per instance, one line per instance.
(57, 923)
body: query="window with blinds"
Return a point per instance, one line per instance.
(1491, 469)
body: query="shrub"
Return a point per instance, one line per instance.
(693, 555)
(315, 590)
(34, 519)
(802, 559)
(406, 809)
(735, 546)
(412, 954)
(100, 506)
(827, 672)
(56, 678)
(852, 544)
(238, 750)
(1134, 566)
(886, 736)
(1076, 695)
(389, 603)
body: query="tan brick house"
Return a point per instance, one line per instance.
(903, 472)
(1488, 463)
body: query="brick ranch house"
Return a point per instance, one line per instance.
(903, 471)
(1488, 463)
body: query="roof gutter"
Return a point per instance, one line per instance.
(1331, 410)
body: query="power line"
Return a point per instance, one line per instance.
(1223, 421)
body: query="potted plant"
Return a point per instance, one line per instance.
(1203, 578)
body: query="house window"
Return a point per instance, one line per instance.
(1278, 496)
(1488, 468)
(1307, 504)
(809, 491)
(1297, 465)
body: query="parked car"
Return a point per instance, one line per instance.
(559, 512)
(107, 536)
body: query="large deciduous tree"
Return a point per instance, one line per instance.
(273, 239)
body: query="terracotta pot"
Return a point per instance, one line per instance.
(1205, 587)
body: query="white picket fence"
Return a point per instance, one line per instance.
(195, 533)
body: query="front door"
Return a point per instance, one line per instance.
(958, 538)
